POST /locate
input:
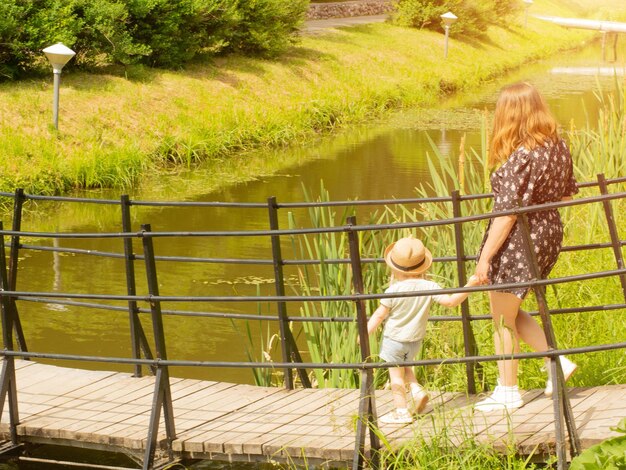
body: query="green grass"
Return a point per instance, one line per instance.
(120, 125)
(451, 445)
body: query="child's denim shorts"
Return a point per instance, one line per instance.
(396, 351)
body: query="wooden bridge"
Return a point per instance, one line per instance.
(216, 420)
(159, 418)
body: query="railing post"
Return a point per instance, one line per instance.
(289, 348)
(367, 401)
(18, 204)
(469, 342)
(162, 393)
(7, 379)
(615, 241)
(560, 401)
(139, 342)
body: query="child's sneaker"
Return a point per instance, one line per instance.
(419, 400)
(397, 417)
(568, 369)
(502, 398)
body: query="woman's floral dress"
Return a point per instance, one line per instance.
(532, 177)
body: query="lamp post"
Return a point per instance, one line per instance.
(58, 55)
(448, 19)
(527, 4)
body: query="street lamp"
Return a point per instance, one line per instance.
(448, 19)
(527, 4)
(58, 55)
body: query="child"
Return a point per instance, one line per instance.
(407, 318)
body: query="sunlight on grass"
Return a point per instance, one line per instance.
(148, 119)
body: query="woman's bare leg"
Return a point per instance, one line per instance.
(529, 331)
(504, 310)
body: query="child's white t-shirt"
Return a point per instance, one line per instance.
(408, 316)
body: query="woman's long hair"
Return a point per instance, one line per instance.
(522, 118)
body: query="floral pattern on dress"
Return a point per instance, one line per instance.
(542, 175)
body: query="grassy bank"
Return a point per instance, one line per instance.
(123, 124)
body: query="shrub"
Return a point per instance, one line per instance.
(103, 37)
(174, 31)
(11, 16)
(267, 27)
(164, 33)
(474, 15)
(28, 27)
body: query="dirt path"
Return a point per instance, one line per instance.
(318, 26)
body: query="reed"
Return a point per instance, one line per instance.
(332, 342)
(451, 444)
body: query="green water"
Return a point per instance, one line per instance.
(378, 160)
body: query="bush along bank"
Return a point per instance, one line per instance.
(118, 125)
(164, 33)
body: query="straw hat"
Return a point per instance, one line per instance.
(408, 256)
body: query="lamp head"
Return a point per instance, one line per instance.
(58, 55)
(449, 18)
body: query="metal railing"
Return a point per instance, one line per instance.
(158, 362)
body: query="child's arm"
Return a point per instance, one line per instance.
(453, 300)
(377, 318)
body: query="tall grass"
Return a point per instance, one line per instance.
(593, 151)
(450, 443)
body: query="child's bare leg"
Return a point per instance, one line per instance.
(419, 396)
(396, 377)
(409, 376)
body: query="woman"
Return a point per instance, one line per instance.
(536, 168)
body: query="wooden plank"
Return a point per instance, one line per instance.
(63, 381)
(100, 389)
(22, 364)
(281, 425)
(400, 433)
(193, 400)
(544, 438)
(213, 405)
(272, 398)
(333, 418)
(251, 423)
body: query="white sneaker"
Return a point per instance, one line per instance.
(397, 417)
(568, 369)
(419, 400)
(502, 398)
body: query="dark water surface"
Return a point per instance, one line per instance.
(373, 161)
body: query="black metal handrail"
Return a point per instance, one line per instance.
(291, 359)
(291, 205)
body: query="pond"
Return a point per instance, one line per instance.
(373, 161)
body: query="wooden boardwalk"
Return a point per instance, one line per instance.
(110, 410)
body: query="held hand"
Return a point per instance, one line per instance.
(473, 281)
(482, 271)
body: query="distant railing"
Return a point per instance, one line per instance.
(159, 363)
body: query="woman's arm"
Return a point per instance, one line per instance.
(377, 318)
(498, 232)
